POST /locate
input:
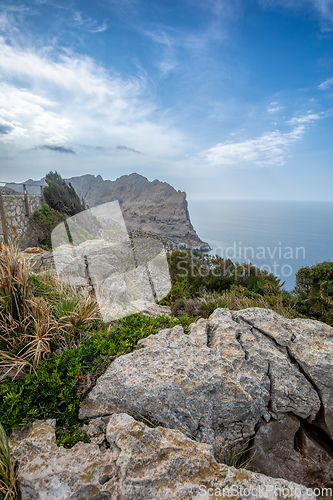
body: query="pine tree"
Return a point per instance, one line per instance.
(62, 196)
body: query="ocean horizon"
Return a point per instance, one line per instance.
(277, 236)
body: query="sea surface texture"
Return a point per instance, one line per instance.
(277, 236)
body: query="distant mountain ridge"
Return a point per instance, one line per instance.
(153, 207)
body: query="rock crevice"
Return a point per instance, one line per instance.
(292, 359)
(235, 377)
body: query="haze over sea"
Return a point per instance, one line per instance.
(278, 236)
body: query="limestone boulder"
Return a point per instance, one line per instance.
(215, 384)
(138, 463)
(249, 377)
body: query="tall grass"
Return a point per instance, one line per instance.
(8, 487)
(37, 314)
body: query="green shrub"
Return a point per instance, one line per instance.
(195, 273)
(58, 386)
(201, 283)
(45, 220)
(314, 291)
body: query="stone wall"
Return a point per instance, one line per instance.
(20, 225)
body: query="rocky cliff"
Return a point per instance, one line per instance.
(151, 207)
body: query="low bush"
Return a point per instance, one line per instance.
(59, 384)
(193, 274)
(314, 291)
(236, 298)
(201, 283)
(45, 220)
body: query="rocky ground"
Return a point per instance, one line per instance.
(164, 417)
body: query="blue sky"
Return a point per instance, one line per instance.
(227, 99)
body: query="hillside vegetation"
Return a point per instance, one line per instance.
(201, 283)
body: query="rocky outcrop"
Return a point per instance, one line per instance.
(134, 462)
(149, 207)
(241, 377)
(126, 275)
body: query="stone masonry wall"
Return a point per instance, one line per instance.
(19, 225)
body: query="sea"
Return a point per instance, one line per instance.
(277, 236)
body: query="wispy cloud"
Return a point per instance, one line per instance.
(182, 37)
(309, 118)
(130, 150)
(168, 60)
(270, 149)
(273, 107)
(327, 84)
(89, 24)
(325, 9)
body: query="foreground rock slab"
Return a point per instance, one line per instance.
(230, 377)
(140, 463)
(213, 384)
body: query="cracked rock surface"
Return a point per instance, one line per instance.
(140, 463)
(230, 377)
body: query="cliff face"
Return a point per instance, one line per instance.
(152, 207)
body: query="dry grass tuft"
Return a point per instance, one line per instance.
(234, 299)
(31, 327)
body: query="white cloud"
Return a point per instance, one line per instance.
(270, 149)
(326, 84)
(310, 117)
(273, 107)
(71, 98)
(29, 115)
